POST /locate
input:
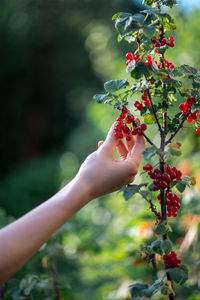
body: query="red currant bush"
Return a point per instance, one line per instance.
(153, 91)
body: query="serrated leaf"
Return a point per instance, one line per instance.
(161, 229)
(149, 119)
(179, 275)
(156, 246)
(139, 70)
(162, 49)
(115, 85)
(149, 152)
(138, 18)
(130, 190)
(166, 246)
(196, 84)
(188, 70)
(189, 180)
(151, 187)
(115, 16)
(181, 186)
(100, 97)
(109, 100)
(172, 81)
(144, 193)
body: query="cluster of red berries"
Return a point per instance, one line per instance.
(157, 43)
(171, 260)
(130, 57)
(162, 181)
(149, 60)
(145, 99)
(121, 125)
(173, 204)
(140, 105)
(140, 129)
(186, 107)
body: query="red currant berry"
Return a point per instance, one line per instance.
(130, 118)
(154, 40)
(129, 56)
(171, 38)
(198, 130)
(143, 127)
(147, 167)
(128, 138)
(163, 42)
(145, 97)
(124, 109)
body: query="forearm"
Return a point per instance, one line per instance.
(21, 239)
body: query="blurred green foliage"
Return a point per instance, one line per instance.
(54, 57)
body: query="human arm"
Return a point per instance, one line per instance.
(100, 174)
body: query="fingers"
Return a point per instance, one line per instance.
(121, 149)
(110, 143)
(138, 148)
(100, 143)
(130, 143)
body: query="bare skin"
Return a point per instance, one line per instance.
(99, 174)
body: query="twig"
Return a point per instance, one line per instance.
(175, 133)
(148, 140)
(154, 111)
(55, 279)
(153, 208)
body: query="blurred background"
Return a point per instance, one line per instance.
(54, 56)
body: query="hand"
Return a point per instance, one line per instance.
(101, 173)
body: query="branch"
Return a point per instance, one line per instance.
(55, 280)
(175, 133)
(148, 140)
(154, 111)
(153, 208)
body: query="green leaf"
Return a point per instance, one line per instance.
(109, 100)
(144, 194)
(175, 274)
(196, 84)
(149, 119)
(156, 246)
(130, 190)
(189, 180)
(166, 246)
(124, 23)
(181, 186)
(115, 85)
(161, 229)
(151, 187)
(138, 70)
(172, 81)
(162, 49)
(189, 71)
(169, 3)
(136, 289)
(179, 275)
(138, 18)
(100, 97)
(149, 152)
(116, 16)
